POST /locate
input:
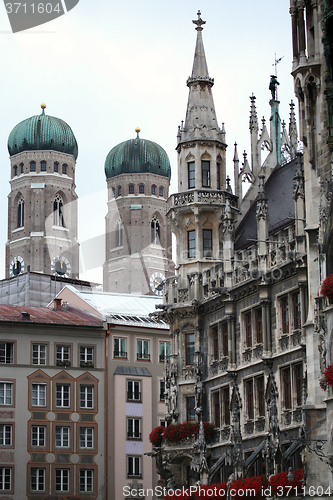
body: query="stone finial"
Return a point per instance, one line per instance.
(199, 22)
(253, 115)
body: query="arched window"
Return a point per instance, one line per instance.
(32, 166)
(119, 191)
(22, 168)
(58, 217)
(119, 233)
(153, 190)
(155, 230)
(131, 189)
(55, 166)
(141, 189)
(43, 166)
(20, 212)
(64, 168)
(15, 170)
(160, 191)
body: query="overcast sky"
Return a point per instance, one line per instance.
(107, 67)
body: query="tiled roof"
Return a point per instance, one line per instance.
(44, 315)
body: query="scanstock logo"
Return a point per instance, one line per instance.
(25, 15)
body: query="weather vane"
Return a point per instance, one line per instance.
(276, 63)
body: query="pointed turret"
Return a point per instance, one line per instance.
(293, 130)
(254, 137)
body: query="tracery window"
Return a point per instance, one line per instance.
(155, 231)
(58, 216)
(20, 212)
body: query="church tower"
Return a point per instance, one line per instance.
(42, 204)
(138, 238)
(197, 210)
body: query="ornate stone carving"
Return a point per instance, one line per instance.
(249, 427)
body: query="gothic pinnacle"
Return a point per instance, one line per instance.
(199, 22)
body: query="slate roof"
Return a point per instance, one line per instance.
(44, 315)
(132, 371)
(281, 206)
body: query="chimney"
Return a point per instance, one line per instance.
(57, 304)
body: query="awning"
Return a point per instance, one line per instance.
(217, 465)
(254, 455)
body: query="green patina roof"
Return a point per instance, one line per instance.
(137, 156)
(42, 132)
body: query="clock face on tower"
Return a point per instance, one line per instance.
(156, 283)
(60, 266)
(16, 266)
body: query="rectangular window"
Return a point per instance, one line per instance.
(133, 466)
(298, 374)
(189, 348)
(205, 165)
(191, 174)
(6, 393)
(86, 437)
(143, 349)
(32, 166)
(297, 310)
(62, 479)
(226, 409)
(216, 403)
(38, 435)
(86, 356)
(249, 399)
(225, 339)
(285, 315)
(38, 354)
(86, 480)
(43, 166)
(248, 329)
(259, 326)
(164, 351)
(215, 335)
(218, 183)
(5, 478)
(87, 396)
(190, 409)
(37, 479)
(191, 244)
(55, 167)
(286, 381)
(64, 169)
(133, 390)
(207, 242)
(162, 390)
(6, 352)
(63, 355)
(260, 383)
(119, 348)
(62, 395)
(133, 428)
(62, 437)
(6, 431)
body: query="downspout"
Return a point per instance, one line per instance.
(106, 408)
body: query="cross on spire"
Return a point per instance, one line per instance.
(199, 22)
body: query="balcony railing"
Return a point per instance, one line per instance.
(119, 354)
(134, 435)
(143, 356)
(134, 396)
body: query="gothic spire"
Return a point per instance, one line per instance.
(200, 68)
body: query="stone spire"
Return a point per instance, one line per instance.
(293, 130)
(200, 121)
(254, 137)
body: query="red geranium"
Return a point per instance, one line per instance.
(327, 287)
(178, 432)
(254, 486)
(328, 375)
(155, 437)
(280, 484)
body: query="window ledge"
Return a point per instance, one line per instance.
(17, 229)
(60, 228)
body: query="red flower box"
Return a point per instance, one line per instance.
(179, 432)
(327, 287)
(280, 485)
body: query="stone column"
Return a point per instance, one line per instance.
(301, 27)
(293, 13)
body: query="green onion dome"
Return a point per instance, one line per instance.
(137, 156)
(42, 132)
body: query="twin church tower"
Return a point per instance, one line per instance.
(43, 208)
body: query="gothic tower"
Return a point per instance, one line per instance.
(196, 212)
(138, 239)
(42, 204)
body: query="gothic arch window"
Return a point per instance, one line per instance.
(131, 189)
(64, 169)
(155, 231)
(119, 233)
(32, 166)
(160, 191)
(58, 215)
(153, 190)
(119, 191)
(55, 166)
(141, 189)
(43, 166)
(15, 170)
(20, 212)
(22, 168)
